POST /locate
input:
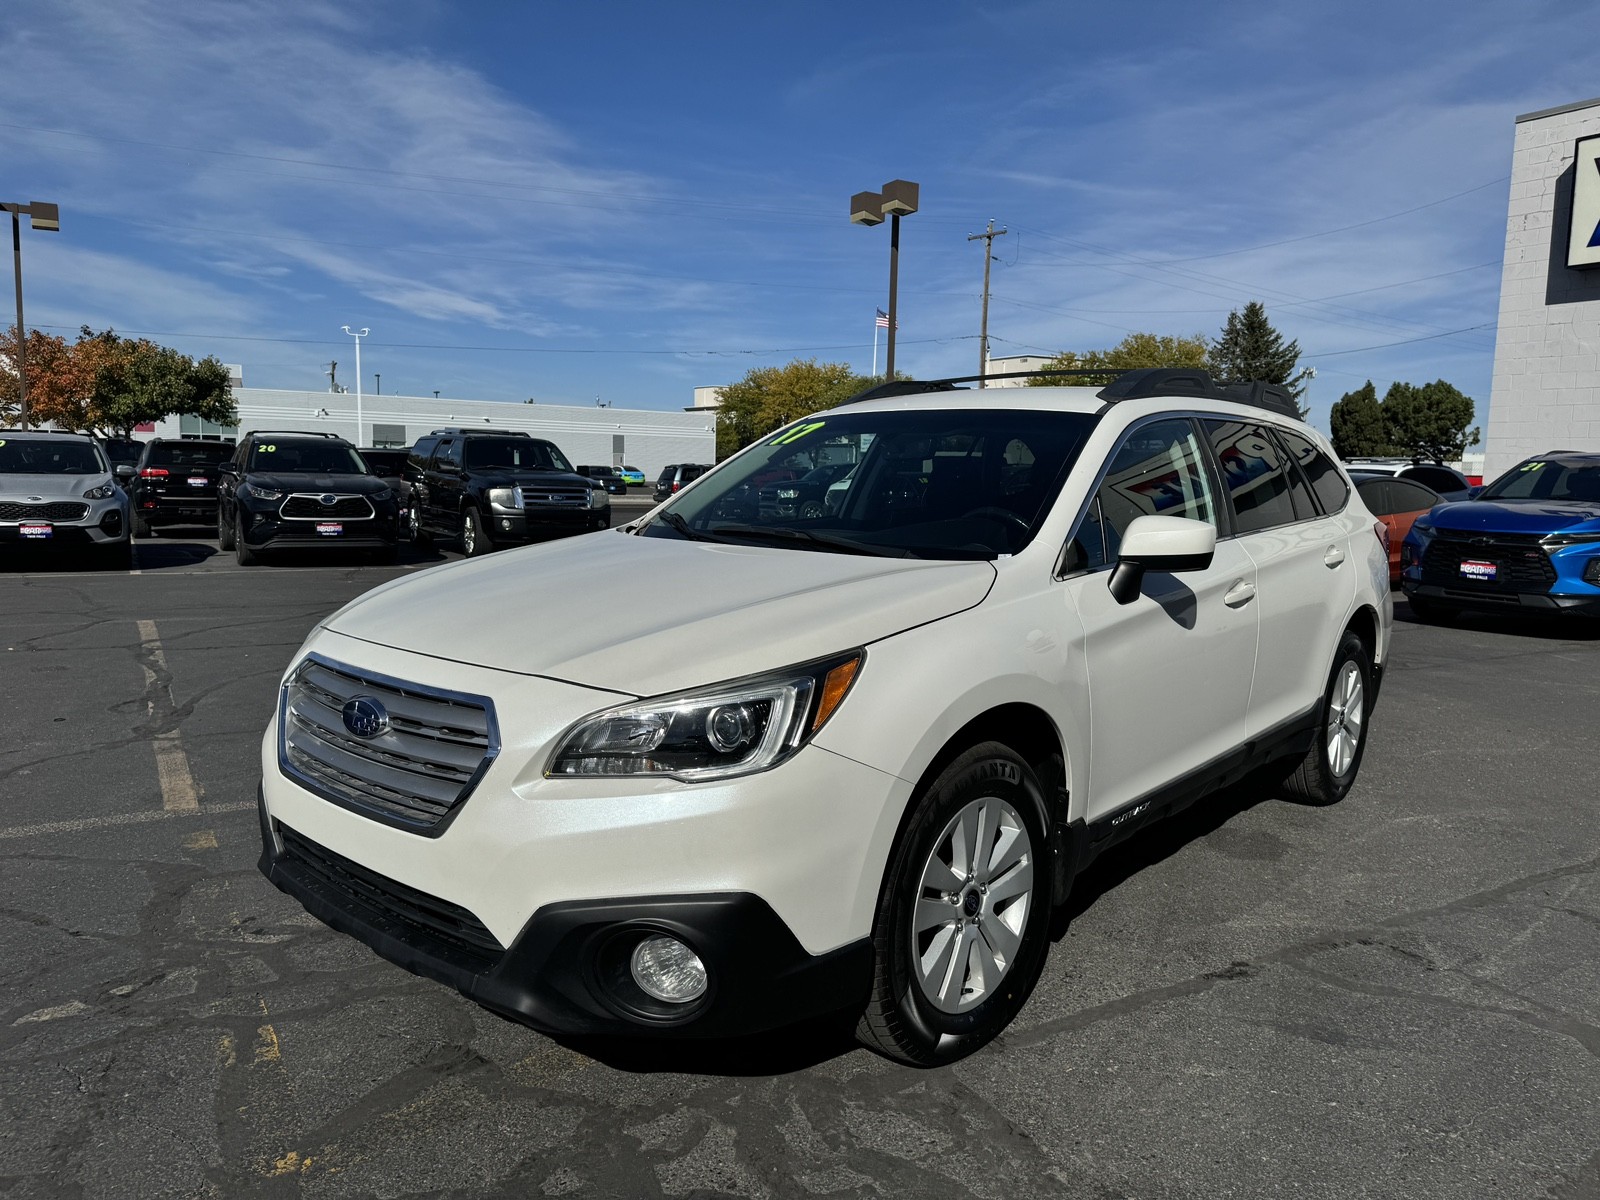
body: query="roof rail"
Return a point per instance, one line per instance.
(1127, 384)
(464, 429)
(292, 433)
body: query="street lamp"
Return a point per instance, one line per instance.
(47, 218)
(898, 198)
(358, 337)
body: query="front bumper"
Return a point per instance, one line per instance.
(772, 878)
(269, 531)
(533, 524)
(104, 523)
(1527, 602)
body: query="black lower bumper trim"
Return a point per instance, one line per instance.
(560, 975)
(1483, 601)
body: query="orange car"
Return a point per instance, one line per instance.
(1397, 503)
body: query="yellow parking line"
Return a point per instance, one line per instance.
(178, 790)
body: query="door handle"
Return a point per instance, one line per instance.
(1333, 557)
(1240, 594)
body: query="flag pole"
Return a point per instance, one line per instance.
(874, 346)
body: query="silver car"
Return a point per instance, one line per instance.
(57, 492)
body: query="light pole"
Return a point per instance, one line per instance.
(378, 379)
(358, 337)
(41, 216)
(898, 198)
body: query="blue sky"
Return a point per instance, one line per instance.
(628, 200)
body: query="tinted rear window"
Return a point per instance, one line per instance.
(1255, 472)
(1326, 482)
(188, 454)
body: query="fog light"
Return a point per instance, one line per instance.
(505, 523)
(668, 970)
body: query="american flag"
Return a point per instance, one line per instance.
(883, 319)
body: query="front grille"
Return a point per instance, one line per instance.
(537, 497)
(412, 774)
(56, 510)
(1521, 563)
(447, 930)
(306, 507)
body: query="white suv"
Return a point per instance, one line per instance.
(847, 760)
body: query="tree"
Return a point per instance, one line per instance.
(1358, 425)
(55, 377)
(1251, 349)
(772, 396)
(1430, 421)
(1132, 352)
(107, 384)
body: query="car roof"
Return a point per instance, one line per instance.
(51, 433)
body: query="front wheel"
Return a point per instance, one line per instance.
(474, 541)
(961, 928)
(420, 537)
(224, 531)
(1325, 774)
(246, 556)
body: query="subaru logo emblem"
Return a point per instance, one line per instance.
(365, 716)
(328, 499)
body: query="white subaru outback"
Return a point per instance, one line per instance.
(838, 756)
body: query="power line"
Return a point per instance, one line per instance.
(1408, 341)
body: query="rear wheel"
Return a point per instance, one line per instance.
(1431, 610)
(961, 928)
(474, 541)
(1325, 774)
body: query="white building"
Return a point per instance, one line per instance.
(641, 438)
(1546, 389)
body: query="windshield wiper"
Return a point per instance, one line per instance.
(673, 521)
(783, 533)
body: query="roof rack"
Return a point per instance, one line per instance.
(465, 429)
(292, 433)
(1128, 384)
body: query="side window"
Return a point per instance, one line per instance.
(418, 461)
(1436, 478)
(1305, 507)
(1407, 496)
(1157, 471)
(1319, 469)
(449, 455)
(1256, 473)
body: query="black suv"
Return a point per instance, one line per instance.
(174, 483)
(283, 491)
(491, 486)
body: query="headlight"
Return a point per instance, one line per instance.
(255, 492)
(732, 729)
(598, 498)
(1555, 539)
(506, 497)
(380, 496)
(788, 493)
(104, 492)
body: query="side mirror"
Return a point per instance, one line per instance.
(1169, 544)
(124, 472)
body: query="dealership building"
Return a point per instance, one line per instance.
(1546, 389)
(643, 438)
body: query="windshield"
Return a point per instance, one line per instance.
(954, 483)
(1547, 479)
(34, 456)
(308, 457)
(515, 454)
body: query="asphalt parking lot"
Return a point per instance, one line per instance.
(1395, 997)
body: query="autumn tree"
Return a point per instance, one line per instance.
(1250, 349)
(1131, 353)
(55, 378)
(769, 397)
(1429, 421)
(1357, 424)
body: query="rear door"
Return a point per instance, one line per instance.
(1306, 572)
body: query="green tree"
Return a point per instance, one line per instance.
(1132, 352)
(136, 381)
(1429, 421)
(772, 396)
(1249, 349)
(1357, 423)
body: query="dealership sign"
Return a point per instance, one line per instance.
(1583, 244)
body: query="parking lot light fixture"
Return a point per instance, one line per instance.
(47, 218)
(358, 337)
(899, 198)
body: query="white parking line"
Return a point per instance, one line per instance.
(135, 818)
(178, 790)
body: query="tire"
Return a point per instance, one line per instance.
(419, 536)
(474, 541)
(928, 1007)
(1425, 609)
(1325, 774)
(247, 557)
(811, 510)
(224, 531)
(141, 527)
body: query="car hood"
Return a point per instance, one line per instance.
(1515, 516)
(49, 487)
(530, 478)
(364, 485)
(693, 613)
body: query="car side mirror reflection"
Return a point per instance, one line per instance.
(1168, 544)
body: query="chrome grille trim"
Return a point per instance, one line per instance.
(345, 507)
(415, 775)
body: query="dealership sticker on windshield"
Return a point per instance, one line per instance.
(1473, 568)
(35, 529)
(329, 528)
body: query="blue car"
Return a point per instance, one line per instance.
(1529, 542)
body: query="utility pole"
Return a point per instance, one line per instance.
(988, 237)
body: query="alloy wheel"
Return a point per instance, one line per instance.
(1345, 714)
